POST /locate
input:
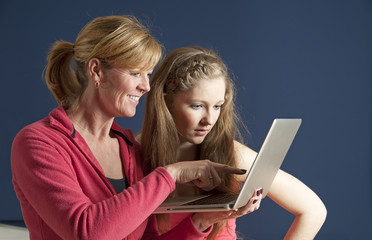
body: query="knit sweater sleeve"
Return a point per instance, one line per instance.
(47, 179)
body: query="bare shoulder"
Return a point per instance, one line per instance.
(245, 156)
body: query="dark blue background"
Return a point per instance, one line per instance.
(308, 59)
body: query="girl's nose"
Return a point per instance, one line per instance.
(207, 118)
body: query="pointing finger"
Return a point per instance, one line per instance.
(228, 169)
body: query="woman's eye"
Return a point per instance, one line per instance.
(217, 107)
(135, 74)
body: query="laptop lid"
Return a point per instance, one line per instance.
(261, 175)
(269, 159)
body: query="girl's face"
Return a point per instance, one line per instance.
(121, 90)
(196, 111)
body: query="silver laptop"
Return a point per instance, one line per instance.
(261, 174)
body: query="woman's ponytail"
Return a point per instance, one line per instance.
(59, 75)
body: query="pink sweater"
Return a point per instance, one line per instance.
(179, 219)
(64, 193)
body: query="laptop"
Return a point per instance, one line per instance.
(261, 175)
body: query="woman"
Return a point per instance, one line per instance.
(190, 115)
(77, 174)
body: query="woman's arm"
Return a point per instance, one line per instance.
(291, 194)
(70, 198)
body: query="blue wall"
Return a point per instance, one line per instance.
(308, 59)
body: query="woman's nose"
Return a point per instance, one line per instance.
(145, 83)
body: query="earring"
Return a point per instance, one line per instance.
(96, 84)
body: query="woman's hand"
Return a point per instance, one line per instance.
(203, 173)
(204, 220)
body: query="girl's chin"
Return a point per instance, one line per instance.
(197, 140)
(191, 139)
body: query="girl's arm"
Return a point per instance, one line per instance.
(292, 195)
(300, 200)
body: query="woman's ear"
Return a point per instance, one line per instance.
(94, 69)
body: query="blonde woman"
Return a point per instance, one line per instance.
(190, 114)
(78, 174)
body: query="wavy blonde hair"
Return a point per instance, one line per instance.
(117, 41)
(181, 70)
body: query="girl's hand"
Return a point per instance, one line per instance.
(203, 220)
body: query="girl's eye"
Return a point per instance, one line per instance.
(196, 106)
(217, 107)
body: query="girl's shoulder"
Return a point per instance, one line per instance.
(243, 151)
(244, 156)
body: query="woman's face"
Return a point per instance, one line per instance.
(121, 89)
(196, 111)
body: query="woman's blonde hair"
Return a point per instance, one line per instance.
(117, 41)
(181, 70)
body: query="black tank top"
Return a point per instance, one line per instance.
(118, 184)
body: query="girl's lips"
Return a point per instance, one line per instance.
(201, 132)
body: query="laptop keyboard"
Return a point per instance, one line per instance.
(214, 199)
